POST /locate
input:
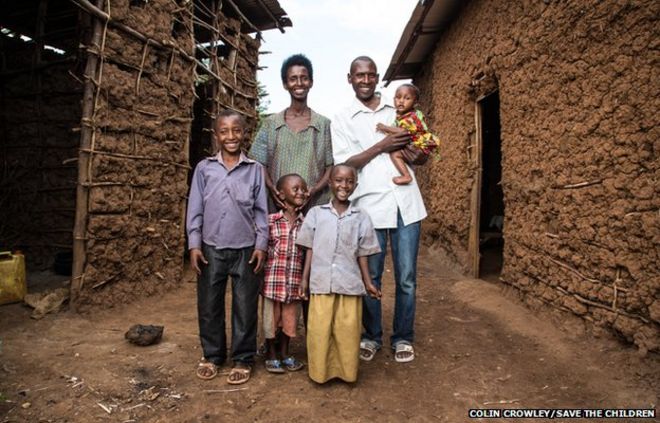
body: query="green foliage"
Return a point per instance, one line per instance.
(262, 104)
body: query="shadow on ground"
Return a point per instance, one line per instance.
(476, 348)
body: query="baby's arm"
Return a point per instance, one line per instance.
(388, 130)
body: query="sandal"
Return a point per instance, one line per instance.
(292, 364)
(274, 366)
(206, 370)
(368, 350)
(239, 375)
(404, 353)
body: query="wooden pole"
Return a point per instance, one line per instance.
(86, 133)
(475, 197)
(245, 19)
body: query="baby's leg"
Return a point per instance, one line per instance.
(400, 164)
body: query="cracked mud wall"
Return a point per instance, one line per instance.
(579, 91)
(139, 157)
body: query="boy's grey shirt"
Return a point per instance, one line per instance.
(337, 242)
(228, 208)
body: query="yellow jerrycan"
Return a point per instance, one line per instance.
(12, 277)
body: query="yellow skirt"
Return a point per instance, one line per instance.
(333, 337)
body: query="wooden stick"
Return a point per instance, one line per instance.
(578, 185)
(501, 402)
(139, 75)
(220, 391)
(134, 157)
(103, 282)
(567, 267)
(246, 20)
(169, 67)
(110, 184)
(82, 194)
(270, 14)
(603, 306)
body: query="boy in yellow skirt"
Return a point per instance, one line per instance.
(338, 238)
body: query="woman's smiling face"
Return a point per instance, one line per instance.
(298, 82)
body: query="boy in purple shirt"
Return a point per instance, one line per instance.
(227, 225)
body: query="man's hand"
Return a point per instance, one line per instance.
(413, 155)
(260, 257)
(196, 256)
(394, 141)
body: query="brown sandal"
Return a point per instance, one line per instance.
(202, 368)
(239, 375)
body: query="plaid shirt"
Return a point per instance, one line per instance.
(283, 273)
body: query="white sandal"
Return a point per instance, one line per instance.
(368, 350)
(407, 350)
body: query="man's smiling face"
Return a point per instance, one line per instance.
(363, 78)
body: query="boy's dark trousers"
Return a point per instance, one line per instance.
(211, 287)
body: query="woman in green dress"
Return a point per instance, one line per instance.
(297, 139)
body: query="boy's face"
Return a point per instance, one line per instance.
(363, 78)
(229, 134)
(404, 100)
(298, 82)
(343, 181)
(293, 191)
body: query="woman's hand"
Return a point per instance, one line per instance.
(275, 195)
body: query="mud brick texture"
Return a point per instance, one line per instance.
(579, 92)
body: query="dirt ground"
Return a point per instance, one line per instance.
(477, 348)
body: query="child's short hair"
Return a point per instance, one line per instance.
(283, 178)
(297, 60)
(344, 164)
(227, 113)
(413, 87)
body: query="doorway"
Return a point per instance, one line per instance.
(486, 229)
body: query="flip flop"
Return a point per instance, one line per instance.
(292, 364)
(368, 350)
(206, 365)
(404, 353)
(274, 366)
(244, 374)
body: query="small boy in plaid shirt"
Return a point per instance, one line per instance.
(282, 292)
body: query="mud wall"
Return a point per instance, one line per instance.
(579, 91)
(39, 114)
(138, 159)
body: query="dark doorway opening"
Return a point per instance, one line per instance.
(491, 215)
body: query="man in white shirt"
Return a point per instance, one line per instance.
(396, 210)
